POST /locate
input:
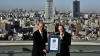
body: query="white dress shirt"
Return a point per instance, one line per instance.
(41, 33)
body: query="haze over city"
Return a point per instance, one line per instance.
(40, 4)
(20, 22)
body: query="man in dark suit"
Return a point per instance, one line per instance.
(65, 42)
(39, 41)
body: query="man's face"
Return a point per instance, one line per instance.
(60, 28)
(40, 26)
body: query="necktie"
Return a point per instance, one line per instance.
(41, 35)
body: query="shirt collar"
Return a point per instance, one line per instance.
(62, 33)
(40, 31)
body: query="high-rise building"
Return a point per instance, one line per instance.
(2, 26)
(49, 9)
(8, 26)
(99, 22)
(76, 8)
(0, 22)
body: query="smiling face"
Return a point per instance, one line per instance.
(60, 28)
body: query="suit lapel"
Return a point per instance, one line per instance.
(43, 36)
(40, 35)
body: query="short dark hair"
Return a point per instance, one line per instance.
(60, 25)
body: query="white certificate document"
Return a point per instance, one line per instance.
(54, 44)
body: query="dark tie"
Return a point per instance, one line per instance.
(41, 35)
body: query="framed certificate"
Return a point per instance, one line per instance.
(54, 43)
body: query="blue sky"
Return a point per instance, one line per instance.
(40, 4)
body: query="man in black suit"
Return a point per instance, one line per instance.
(65, 42)
(39, 40)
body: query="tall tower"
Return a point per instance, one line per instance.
(49, 9)
(10, 9)
(0, 22)
(76, 8)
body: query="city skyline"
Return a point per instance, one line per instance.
(40, 5)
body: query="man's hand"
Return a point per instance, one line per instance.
(45, 51)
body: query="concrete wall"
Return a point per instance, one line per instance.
(25, 50)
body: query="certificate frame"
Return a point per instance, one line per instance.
(58, 43)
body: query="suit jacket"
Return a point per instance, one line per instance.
(65, 43)
(39, 43)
